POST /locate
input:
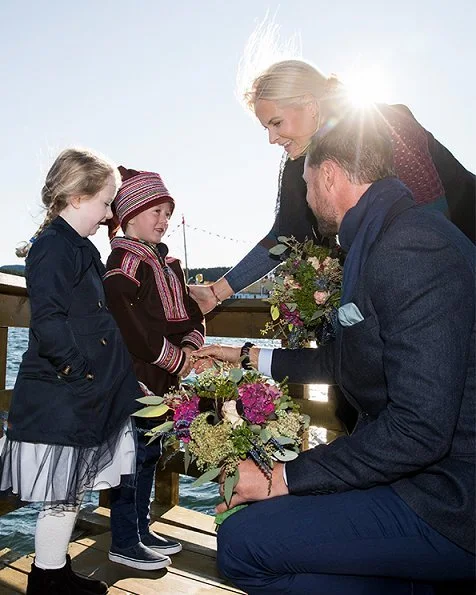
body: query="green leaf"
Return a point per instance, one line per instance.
(306, 420)
(235, 375)
(317, 315)
(152, 411)
(207, 476)
(151, 400)
(228, 488)
(288, 455)
(290, 326)
(278, 249)
(265, 435)
(283, 239)
(162, 428)
(154, 437)
(186, 458)
(255, 428)
(222, 516)
(292, 306)
(274, 312)
(284, 440)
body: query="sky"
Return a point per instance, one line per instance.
(152, 85)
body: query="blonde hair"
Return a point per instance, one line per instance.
(288, 82)
(75, 172)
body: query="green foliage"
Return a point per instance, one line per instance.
(306, 292)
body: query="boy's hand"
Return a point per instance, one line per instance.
(188, 363)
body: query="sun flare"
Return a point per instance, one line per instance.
(366, 86)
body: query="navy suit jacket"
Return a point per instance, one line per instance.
(409, 369)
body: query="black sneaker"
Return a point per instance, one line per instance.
(160, 544)
(138, 556)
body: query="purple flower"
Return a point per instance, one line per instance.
(292, 317)
(258, 401)
(184, 414)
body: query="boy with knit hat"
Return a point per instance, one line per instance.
(161, 325)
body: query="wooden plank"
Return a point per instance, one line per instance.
(177, 515)
(12, 284)
(14, 310)
(5, 398)
(183, 517)
(3, 355)
(11, 580)
(8, 503)
(93, 562)
(191, 540)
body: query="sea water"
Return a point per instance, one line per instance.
(18, 527)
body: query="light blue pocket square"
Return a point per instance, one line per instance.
(349, 314)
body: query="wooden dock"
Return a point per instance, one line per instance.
(193, 570)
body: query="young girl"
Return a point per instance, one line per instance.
(161, 326)
(69, 428)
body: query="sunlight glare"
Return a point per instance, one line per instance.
(367, 86)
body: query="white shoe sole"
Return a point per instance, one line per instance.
(157, 565)
(165, 551)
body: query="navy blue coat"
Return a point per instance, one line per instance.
(409, 369)
(76, 385)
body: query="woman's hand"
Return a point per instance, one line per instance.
(208, 296)
(253, 485)
(204, 297)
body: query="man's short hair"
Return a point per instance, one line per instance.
(359, 143)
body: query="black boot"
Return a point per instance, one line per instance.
(92, 585)
(62, 581)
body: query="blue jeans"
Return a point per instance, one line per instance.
(130, 507)
(361, 542)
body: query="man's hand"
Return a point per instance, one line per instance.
(253, 485)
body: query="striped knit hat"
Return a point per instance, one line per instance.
(140, 190)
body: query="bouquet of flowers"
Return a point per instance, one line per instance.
(305, 294)
(225, 415)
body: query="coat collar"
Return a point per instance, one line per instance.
(64, 228)
(370, 210)
(361, 228)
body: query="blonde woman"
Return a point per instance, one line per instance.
(292, 100)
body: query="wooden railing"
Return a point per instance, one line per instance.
(234, 318)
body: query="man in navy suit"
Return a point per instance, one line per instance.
(390, 508)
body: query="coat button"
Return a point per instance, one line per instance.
(89, 376)
(103, 341)
(100, 304)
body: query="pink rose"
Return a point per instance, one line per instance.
(320, 297)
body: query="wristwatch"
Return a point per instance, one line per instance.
(245, 356)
